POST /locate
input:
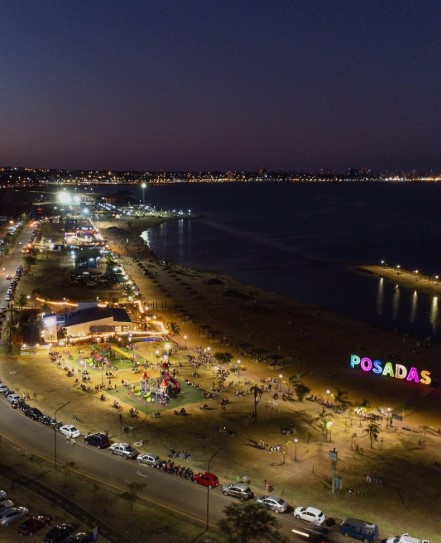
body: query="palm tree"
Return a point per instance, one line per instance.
(301, 390)
(257, 394)
(323, 418)
(341, 397)
(174, 328)
(22, 301)
(373, 430)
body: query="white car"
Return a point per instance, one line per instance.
(148, 458)
(13, 514)
(123, 449)
(69, 430)
(310, 514)
(6, 504)
(13, 397)
(3, 388)
(3, 495)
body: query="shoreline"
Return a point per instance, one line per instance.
(306, 340)
(411, 279)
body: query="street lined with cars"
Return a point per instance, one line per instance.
(187, 498)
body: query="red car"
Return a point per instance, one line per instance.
(33, 524)
(206, 479)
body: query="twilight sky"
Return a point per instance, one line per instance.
(220, 84)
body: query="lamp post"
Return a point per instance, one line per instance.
(185, 339)
(55, 432)
(238, 371)
(327, 396)
(143, 187)
(295, 449)
(208, 488)
(333, 457)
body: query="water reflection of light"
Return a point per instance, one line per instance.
(396, 302)
(181, 238)
(413, 307)
(434, 312)
(380, 296)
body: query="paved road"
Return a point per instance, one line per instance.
(168, 491)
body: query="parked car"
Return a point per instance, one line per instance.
(148, 458)
(80, 537)
(6, 504)
(206, 479)
(11, 515)
(359, 529)
(238, 490)
(4, 388)
(33, 413)
(310, 514)
(6, 509)
(97, 440)
(274, 503)
(58, 533)
(124, 449)
(69, 430)
(33, 524)
(3, 495)
(13, 397)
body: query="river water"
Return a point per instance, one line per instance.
(298, 238)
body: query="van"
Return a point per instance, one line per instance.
(97, 440)
(359, 529)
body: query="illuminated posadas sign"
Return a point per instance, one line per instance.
(391, 369)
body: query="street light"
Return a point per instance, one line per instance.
(185, 339)
(295, 449)
(327, 396)
(143, 186)
(55, 432)
(238, 371)
(208, 487)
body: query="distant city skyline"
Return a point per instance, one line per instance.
(292, 85)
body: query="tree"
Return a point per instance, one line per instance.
(22, 301)
(257, 393)
(223, 357)
(244, 522)
(174, 328)
(131, 495)
(29, 260)
(323, 419)
(301, 390)
(341, 397)
(373, 430)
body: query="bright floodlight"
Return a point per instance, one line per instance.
(64, 197)
(143, 185)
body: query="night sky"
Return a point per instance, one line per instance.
(207, 85)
